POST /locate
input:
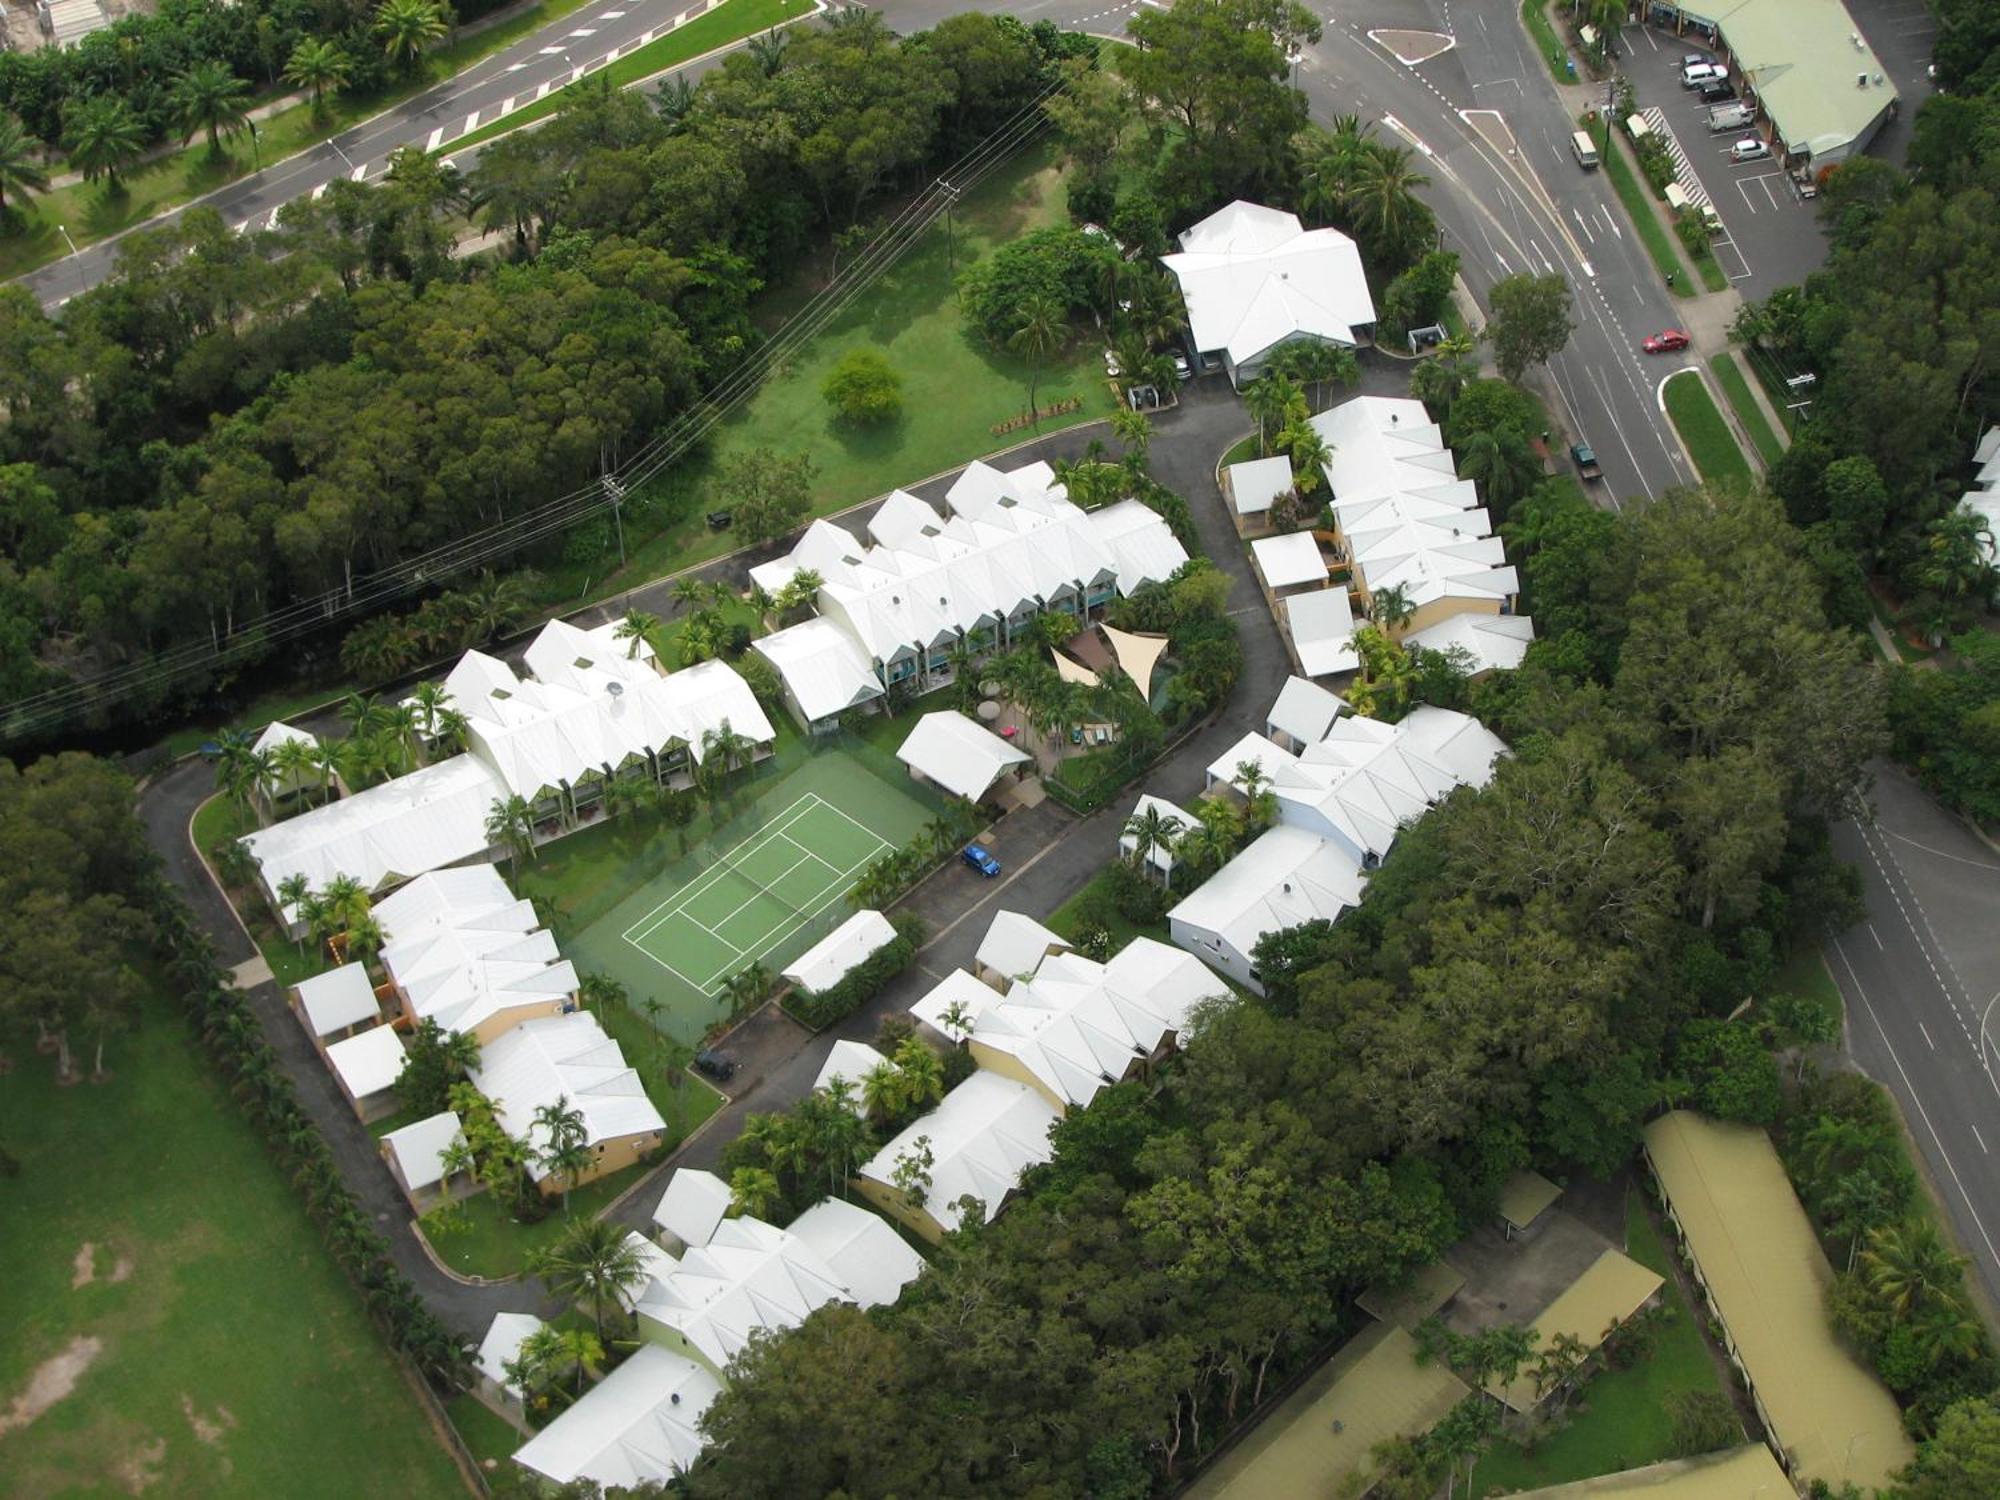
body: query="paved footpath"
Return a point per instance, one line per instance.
(1049, 854)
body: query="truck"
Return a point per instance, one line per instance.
(1585, 461)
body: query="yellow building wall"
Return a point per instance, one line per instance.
(1009, 1066)
(501, 1022)
(676, 1341)
(1443, 609)
(613, 1156)
(891, 1201)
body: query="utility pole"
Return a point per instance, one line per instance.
(950, 245)
(63, 230)
(616, 490)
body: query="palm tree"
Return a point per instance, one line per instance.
(365, 938)
(103, 137)
(318, 65)
(1276, 401)
(293, 762)
(747, 989)
(20, 167)
(922, 1073)
(753, 1192)
(1329, 160)
(293, 891)
(1436, 381)
(565, 1150)
(1152, 829)
(493, 606)
(726, 747)
(1911, 1268)
(637, 627)
(768, 51)
(209, 97)
(1384, 197)
(1040, 325)
(1502, 464)
(1318, 365)
(593, 1266)
(346, 901)
(882, 1091)
(409, 28)
(1309, 453)
(1390, 607)
(511, 823)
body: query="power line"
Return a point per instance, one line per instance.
(46, 710)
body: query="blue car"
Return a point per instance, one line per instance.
(981, 861)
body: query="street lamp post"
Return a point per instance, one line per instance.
(63, 230)
(256, 146)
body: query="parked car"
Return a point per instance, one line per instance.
(976, 856)
(1729, 117)
(1717, 91)
(717, 1065)
(1750, 148)
(1586, 461)
(721, 520)
(1666, 341)
(1111, 365)
(1182, 369)
(1695, 59)
(1694, 75)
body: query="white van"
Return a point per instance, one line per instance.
(1585, 149)
(1729, 117)
(1694, 75)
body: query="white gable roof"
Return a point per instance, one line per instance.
(1304, 710)
(828, 961)
(1457, 743)
(849, 1062)
(1255, 483)
(369, 1061)
(748, 1277)
(386, 834)
(1015, 943)
(1494, 642)
(1158, 857)
(958, 754)
(419, 1148)
(277, 733)
(1293, 558)
(641, 1424)
(1253, 277)
(983, 1136)
(571, 1057)
(1983, 499)
(825, 670)
(1285, 878)
(338, 999)
(504, 1337)
(463, 948)
(435, 899)
(870, 1259)
(1322, 626)
(956, 988)
(694, 1203)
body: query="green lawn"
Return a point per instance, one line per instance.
(218, 1350)
(1620, 1420)
(90, 213)
(1660, 241)
(1709, 440)
(220, 819)
(1729, 375)
(1535, 16)
(490, 1438)
(1805, 975)
(494, 1243)
(717, 28)
(1242, 452)
(1095, 899)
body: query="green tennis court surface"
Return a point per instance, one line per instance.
(757, 894)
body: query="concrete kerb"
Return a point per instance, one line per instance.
(1660, 400)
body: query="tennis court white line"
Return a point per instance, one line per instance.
(837, 890)
(682, 911)
(709, 876)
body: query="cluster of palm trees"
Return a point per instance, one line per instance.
(341, 909)
(797, 597)
(388, 646)
(1952, 574)
(231, 1032)
(1222, 826)
(1146, 312)
(1350, 179)
(595, 1269)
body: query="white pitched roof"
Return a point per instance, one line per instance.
(441, 897)
(504, 1337)
(463, 948)
(1078, 1025)
(983, 1136)
(827, 961)
(956, 988)
(1256, 482)
(278, 732)
(1408, 520)
(388, 833)
(1015, 943)
(419, 1149)
(1253, 277)
(567, 1056)
(850, 1062)
(1494, 642)
(369, 1061)
(1005, 542)
(824, 668)
(641, 1424)
(1456, 742)
(958, 754)
(1322, 625)
(871, 1260)
(748, 1277)
(338, 999)
(1285, 878)
(1159, 858)
(1290, 559)
(693, 1204)
(1983, 499)
(1304, 710)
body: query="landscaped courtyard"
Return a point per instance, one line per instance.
(174, 1326)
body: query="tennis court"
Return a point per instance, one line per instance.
(757, 894)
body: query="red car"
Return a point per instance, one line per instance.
(1665, 343)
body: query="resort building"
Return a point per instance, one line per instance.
(641, 1424)
(959, 756)
(569, 1058)
(981, 1138)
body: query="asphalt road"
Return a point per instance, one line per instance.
(1920, 978)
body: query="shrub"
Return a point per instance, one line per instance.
(863, 388)
(1702, 1421)
(1140, 901)
(1693, 230)
(1059, 263)
(855, 988)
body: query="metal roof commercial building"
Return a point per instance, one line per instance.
(1755, 1255)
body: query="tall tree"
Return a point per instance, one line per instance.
(209, 98)
(21, 169)
(318, 64)
(103, 138)
(1531, 320)
(1040, 326)
(408, 29)
(592, 1266)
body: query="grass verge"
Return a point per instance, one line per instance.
(1729, 375)
(1542, 32)
(718, 28)
(177, 177)
(493, 1243)
(1709, 440)
(1654, 235)
(158, 1254)
(1620, 1421)
(488, 1437)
